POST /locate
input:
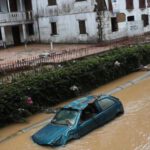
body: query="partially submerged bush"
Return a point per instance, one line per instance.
(50, 87)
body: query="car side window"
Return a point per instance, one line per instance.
(105, 103)
(90, 111)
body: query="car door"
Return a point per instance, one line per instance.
(86, 126)
(86, 121)
(107, 113)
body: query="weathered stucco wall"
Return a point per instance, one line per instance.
(66, 14)
(63, 7)
(68, 28)
(9, 19)
(126, 28)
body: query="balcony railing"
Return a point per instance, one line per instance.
(16, 16)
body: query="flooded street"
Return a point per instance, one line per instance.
(130, 131)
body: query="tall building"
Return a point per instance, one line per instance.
(67, 21)
(16, 22)
(75, 21)
(72, 21)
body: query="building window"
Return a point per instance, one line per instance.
(110, 5)
(28, 5)
(129, 4)
(145, 20)
(148, 3)
(130, 18)
(52, 2)
(30, 29)
(0, 34)
(142, 4)
(114, 24)
(82, 27)
(53, 28)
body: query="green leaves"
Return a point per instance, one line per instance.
(50, 87)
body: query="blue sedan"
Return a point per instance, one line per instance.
(79, 118)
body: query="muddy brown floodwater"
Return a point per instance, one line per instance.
(130, 131)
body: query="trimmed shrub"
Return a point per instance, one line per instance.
(50, 87)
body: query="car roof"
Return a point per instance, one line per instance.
(81, 103)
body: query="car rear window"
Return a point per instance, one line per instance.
(105, 103)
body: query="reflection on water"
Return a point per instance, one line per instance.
(128, 132)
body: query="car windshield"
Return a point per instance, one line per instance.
(65, 117)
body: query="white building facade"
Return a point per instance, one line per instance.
(59, 21)
(87, 21)
(126, 18)
(16, 22)
(72, 21)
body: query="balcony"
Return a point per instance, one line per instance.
(16, 17)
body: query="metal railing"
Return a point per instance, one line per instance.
(57, 57)
(53, 58)
(16, 16)
(12, 70)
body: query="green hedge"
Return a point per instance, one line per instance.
(50, 87)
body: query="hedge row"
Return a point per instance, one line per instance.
(50, 87)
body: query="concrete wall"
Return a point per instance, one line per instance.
(66, 14)
(68, 28)
(63, 7)
(8, 20)
(126, 28)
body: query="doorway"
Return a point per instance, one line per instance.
(16, 35)
(13, 5)
(28, 5)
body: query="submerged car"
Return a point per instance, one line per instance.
(78, 118)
